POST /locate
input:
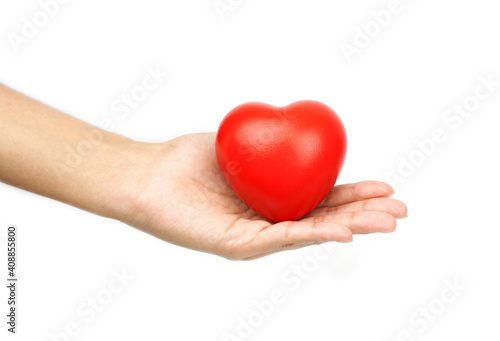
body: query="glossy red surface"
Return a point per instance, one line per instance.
(281, 162)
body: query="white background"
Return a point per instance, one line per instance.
(393, 91)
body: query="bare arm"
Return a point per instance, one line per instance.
(47, 152)
(173, 190)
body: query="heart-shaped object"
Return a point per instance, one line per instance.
(281, 161)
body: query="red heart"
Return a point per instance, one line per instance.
(281, 162)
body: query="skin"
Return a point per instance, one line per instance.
(173, 190)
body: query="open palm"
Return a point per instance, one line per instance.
(184, 199)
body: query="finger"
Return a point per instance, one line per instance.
(345, 194)
(361, 222)
(392, 206)
(289, 233)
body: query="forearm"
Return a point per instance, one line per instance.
(55, 155)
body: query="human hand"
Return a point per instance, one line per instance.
(174, 190)
(180, 195)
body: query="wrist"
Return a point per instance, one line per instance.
(122, 165)
(107, 179)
